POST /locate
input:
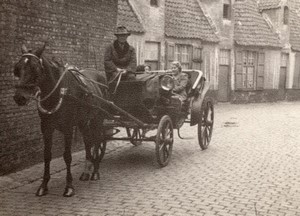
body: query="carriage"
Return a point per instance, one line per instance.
(140, 107)
(146, 108)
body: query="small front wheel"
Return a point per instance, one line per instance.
(206, 123)
(135, 135)
(164, 141)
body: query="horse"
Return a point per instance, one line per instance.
(64, 101)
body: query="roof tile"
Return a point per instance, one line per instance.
(295, 30)
(128, 18)
(186, 19)
(250, 28)
(269, 4)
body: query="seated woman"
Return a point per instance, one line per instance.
(181, 81)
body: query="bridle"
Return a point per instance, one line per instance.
(37, 95)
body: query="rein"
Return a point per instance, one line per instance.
(119, 76)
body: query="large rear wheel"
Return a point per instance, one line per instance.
(164, 141)
(206, 123)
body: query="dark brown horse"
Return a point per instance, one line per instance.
(64, 101)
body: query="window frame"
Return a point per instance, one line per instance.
(227, 9)
(286, 13)
(249, 65)
(183, 50)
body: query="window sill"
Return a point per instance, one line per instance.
(248, 90)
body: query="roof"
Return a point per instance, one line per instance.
(186, 19)
(295, 30)
(269, 4)
(250, 28)
(128, 17)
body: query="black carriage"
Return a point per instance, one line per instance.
(139, 108)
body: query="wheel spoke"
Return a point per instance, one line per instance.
(209, 123)
(169, 141)
(168, 133)
(165, 153)
(161, 146)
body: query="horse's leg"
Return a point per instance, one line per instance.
(69, 190)
(47, 136)
(99, 144)
(85, 131)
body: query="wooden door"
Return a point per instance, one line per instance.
(223, 92)
(282, 81)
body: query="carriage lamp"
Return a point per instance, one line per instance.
(167, 83)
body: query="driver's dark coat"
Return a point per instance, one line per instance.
(115, 58)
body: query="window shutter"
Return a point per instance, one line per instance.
(260, 71)
(196, 57)
(239, 70)
(170, 54)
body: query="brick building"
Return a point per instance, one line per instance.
(77, 32)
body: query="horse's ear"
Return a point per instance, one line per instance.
(40, 51)
(24, 49)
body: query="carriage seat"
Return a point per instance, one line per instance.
(194, 78)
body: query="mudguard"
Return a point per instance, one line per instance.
(197, 103)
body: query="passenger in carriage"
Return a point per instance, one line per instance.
(181, 81)
(143, 68)
(120, 57)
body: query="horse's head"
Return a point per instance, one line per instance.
(29, 71)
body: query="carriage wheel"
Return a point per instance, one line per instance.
(134, 134)
(98, 151)
(164, 141)
(206, 123)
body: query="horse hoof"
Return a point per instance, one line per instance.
(95, 176)
(69, 192)
(84, 177)
(41, 191)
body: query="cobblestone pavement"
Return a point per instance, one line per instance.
(250, 168)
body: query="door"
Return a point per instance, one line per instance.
(224, 68)
(282, 76)
(282, 80)
(223, 91)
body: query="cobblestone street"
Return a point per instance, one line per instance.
(250, 168)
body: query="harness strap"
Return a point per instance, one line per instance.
(55, 87)
(32, 55)
(91, 80)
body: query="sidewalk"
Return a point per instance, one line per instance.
(35, 173)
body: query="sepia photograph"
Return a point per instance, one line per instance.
(149, 107)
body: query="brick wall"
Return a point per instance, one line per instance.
(77, 32)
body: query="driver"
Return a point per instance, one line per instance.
(120, 57)
(180, 81)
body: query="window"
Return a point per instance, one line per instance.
(154, 3)
(226, 9)
(224, 57)
(152, 53)
(249, 70)
(286, 16)
(183, 55)
(296, 77)
(284, 60)
(179, 52)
